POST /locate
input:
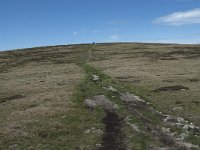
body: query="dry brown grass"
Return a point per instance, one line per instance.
(34, 98)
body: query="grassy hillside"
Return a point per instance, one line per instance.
(153, 68)
(43, 92)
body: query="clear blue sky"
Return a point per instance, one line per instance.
(30, 23)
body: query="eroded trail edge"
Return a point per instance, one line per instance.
(113, 137)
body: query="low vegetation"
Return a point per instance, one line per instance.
(43, 92)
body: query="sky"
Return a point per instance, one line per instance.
(32, 23)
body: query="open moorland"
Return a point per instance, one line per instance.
(114, 96)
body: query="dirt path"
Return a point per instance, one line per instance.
(113, 138)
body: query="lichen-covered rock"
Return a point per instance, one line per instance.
(127, 97)
(102, 102)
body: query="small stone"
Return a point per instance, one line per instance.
(191, 126)
(159, 112)
(110, 88)
(151, 108)
(177, 108)
(173, 134)
(180, 119)
(190, 145)
(98, 131)
(197, 129)
(13, 146)
(170, 119)
(89, 130)
(134, 127)
(184, 135)
(93, 128)
(98, 145)
(95, 77)
(116, 106)
(185, 127)
(179, 124)
(166, 130)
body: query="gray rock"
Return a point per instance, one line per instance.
(127, 97)
(103, 102)
(90, 103)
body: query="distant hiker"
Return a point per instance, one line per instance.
(93, 43)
